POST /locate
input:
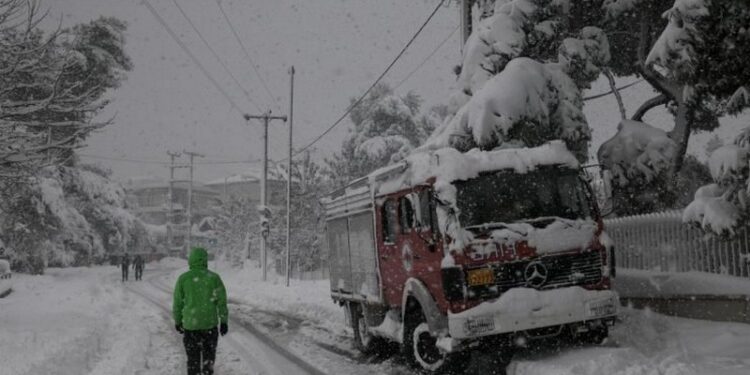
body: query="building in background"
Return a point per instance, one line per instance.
(247, 186)
(149, 199)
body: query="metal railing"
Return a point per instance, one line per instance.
(662, 242)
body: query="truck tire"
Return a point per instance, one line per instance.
(425, 350)
(365, 341)
(595, 336)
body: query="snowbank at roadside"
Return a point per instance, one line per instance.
(639, 283)
(646, 343)
(309, 299)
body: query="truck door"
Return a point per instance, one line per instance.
(420, 249)
(430, 250)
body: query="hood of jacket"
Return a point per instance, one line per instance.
(198, 258)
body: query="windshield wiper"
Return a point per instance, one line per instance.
(541, 222)
(486, 227)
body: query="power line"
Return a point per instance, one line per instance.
(247, 54)
(610, 92)
(382, 75)
(195, 60)
(427, 58)
(145, 161)
(123, 159)
(216, 55)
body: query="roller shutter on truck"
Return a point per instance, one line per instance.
(354, 269)
(363, 256)
(350, 237)
(338, 247)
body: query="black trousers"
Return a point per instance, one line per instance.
(124, 273)
(138, 273)
(200, 347)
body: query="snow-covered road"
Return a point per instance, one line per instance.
(265, 356)
(85, 321)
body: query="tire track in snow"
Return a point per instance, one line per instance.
(274, 358)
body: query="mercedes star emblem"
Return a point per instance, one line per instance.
(535, 275)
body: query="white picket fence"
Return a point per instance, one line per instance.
(662, 242)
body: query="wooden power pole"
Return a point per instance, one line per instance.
(289, 178)
(263, 206)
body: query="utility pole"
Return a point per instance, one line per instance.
(466, 21)
(289, 178)
(263, 207)
(192, 156)
(170, 198)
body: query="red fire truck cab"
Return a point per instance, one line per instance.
(446, 250)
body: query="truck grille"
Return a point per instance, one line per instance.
(563, 270)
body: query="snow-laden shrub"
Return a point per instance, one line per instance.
(723, 206)
(616, 8)
(728, 164)
(638, 152)
(69, 216)
(712, 210)
(504, 36)
(675, 49)
(386, 128)
(529, 102)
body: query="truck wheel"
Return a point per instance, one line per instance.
(363, 339)
(425, 350)
(594, 337)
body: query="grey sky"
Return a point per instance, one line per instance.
(337, 46)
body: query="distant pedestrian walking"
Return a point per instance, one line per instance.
(125, 264)
(138, 266)
(200, 312)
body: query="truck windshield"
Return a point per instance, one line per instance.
(507, 196)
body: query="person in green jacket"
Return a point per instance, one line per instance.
(200, 312)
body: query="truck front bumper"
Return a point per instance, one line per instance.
(523, 309)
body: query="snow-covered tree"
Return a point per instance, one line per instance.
(52, 85)
(236, 221)
(308, 187)
(387, 127)
(526, 62)
(52, 210)
(69, 216)
(240, 225)
(696, 64)
(523, 70)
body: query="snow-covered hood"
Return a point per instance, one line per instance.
(558, 236)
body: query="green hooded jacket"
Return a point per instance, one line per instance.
(200, 299)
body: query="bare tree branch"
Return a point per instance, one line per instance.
(650, 104)
(613, 86)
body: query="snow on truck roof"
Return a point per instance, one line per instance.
(448, 165)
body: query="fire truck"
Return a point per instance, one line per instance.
(446, 251)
